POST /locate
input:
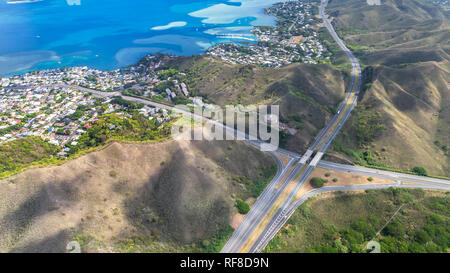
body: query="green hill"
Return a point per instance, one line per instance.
(402, 221)
(174, 196)
(402, 119)
(308, 95)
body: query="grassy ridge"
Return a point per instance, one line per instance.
(401, 220)
(307, 94)
(132, 198)
(17, 155)
(137, 128)
(403, 108)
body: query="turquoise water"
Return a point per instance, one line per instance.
(107, 34)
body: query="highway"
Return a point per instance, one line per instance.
(292, 169)
(277, 202)
(402, 181)
(408, 178)
(272, 208)
(238, 134)
(270, 233)
(254, 236)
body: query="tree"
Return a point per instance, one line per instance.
(364, 228)
(61, 131)
(242, 207)
(420, 171)
(317, 182)
(206, 243)
(395, 229)
(422, 237)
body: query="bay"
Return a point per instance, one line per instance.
(108, 34)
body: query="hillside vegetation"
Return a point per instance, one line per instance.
(402, 221)
(394, 33)
(167, 197)
(403, 114)
(17, 155)
(308, 95)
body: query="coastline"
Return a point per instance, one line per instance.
(202, 37)
(22, 2)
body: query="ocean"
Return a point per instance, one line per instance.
(109, 34)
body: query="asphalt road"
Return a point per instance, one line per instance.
(296, 172)
(243, 235)
(322, 143)
(270, 194)
(413, 181)
(282, 218)
(408, 178)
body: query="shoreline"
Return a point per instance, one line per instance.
(23, 2)
(229, 38)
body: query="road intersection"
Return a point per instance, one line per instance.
(290, 172)
(269, 214)
(278, 201)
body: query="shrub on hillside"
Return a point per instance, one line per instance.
(420, 171)
(242, 207)
(317, 182)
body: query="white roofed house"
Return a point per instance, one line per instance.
(184, 89)
(54, 142)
